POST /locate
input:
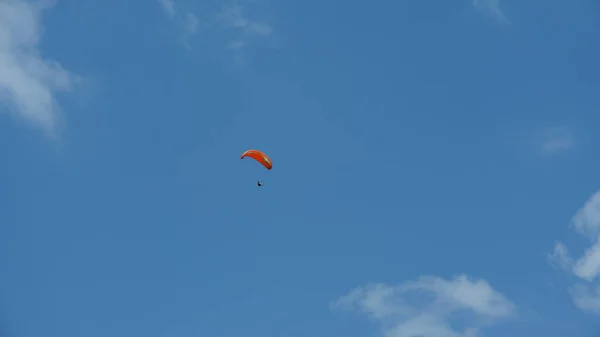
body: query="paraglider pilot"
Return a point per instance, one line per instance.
(259, 183)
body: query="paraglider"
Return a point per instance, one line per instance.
(260, 157)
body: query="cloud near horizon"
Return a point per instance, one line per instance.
(430, 306)
(29, 82)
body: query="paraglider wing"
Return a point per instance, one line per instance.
(258, 156)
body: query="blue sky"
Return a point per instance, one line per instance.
(435, 168)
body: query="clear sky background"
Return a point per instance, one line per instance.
(435, 168)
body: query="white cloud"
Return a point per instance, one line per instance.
(560, 256)
(587, 220)
(491, 7)
(588, 266)
(430, 307)
(586, 296)
(28, 82)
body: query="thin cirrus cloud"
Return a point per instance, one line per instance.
(429, 306)
(29, 83)
(187, 20)
(490, 7)
(169, 7)
(586, 291)
(557, 141)
(552, 141)
(231, 18)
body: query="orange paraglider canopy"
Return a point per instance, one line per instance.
(258, 156)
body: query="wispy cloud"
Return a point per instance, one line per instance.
(185, 19)
(169, 7)
(230, 18)
(247, 31)
(490, 7)
(28, 81)
(233, 17)
(585, 293)
(430, 306)
(557, 144)
(555, 140)
(191, 24)
(560, 257)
